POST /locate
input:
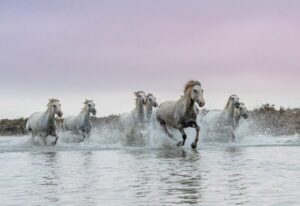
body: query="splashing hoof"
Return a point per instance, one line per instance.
(54, 142)
(179, 144)
(194, 145)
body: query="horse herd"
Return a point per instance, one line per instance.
(178, 115)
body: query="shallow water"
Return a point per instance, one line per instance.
(257, 170)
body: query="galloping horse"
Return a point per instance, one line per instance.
(43, 123)
(224, 121)
(181, 114)
(240, 112)
(150, 103)
(81, 124)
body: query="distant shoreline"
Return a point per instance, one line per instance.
(267, 118)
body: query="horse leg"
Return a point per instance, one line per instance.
(84, 135)
(181, 130)
(56, 138)
(233, 135)
(194, 144)
(164, 126)
(44, 136)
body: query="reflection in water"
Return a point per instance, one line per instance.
(224, 175)
(181, 182)
(235, 178)
(50, 182)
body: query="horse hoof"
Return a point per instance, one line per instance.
(193, 145)
(179, 144)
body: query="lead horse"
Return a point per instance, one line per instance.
(43, 123)
(181, 114)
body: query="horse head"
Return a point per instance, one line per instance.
(233, 101)
(151, 100)
(91, 106)
(140, 97)
(55, 106)
(243, 111)
(194, 89)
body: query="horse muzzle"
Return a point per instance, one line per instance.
(201, 104)
(245, 116)
(237, 105)
(155, 105)
(59, 114)
(94, 112)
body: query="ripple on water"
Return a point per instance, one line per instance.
(91, 173)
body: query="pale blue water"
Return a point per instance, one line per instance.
(92, 173)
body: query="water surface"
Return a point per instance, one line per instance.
(90, 173)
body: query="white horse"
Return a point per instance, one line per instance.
(240, 112)
(43, 123)
(226, 120)
(232, 104)
(81, 124)
(132, 123)
(182, 114)
(150, 104)
(137, 115)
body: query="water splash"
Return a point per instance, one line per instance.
(151, 136)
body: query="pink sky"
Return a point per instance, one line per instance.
(105, 50)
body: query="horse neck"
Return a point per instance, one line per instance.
(230, 114)
(149, 110)
(140, 109)
(189, 103)
(229, 109)
(86, 113)
(50, 114)
(236, 116)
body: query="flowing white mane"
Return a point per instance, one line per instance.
(52, 101)
(228, 102)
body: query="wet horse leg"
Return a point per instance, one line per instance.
(55, 141)
(181, 130)
(233, 135)
(194, 144)
(44, 136)
(164, 126)
(56, 138)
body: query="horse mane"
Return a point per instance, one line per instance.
(190, 84)
(51, 101)
(87, 101)
(227, 104)
(136, 93)
(85, 104)
(149, 95)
